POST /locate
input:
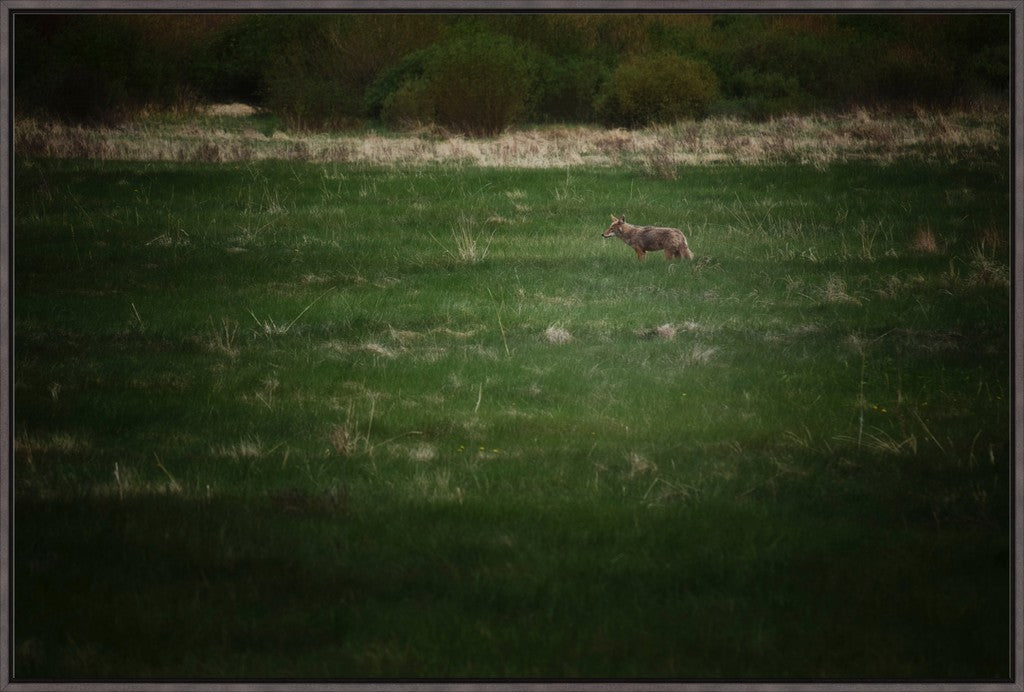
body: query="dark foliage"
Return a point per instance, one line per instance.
(657, 89)
(482, 73)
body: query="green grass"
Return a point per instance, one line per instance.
(291, 420)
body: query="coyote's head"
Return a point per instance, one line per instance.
(616, 228)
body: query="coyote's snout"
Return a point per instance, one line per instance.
(646, 238)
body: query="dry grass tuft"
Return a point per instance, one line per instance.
(468, 243)
(436, 486)
(231, 110)
(247, 448)
(991, 240)
(342, 439)
(557, 335)
(221, 339)
(665, 331)
(699, 355)
(423, 452)
(983, 270)
(834, 291)
(639, 465)
(924, 242)
(379, 350)
(660, 164)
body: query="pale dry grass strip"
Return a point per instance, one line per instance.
(815, 139)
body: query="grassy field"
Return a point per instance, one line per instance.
(326, 419)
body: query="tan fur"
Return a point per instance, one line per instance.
(646, 238)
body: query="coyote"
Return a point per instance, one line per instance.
(644, 238)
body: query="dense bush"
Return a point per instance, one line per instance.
(409, 104)
(93, 69)
(397, 96)
(475, 83)
(479, 84)
(658, 88)
(907, 70)
(308, 83)
(232, 65)
(760, 96)
(320, 76)
(567, 87)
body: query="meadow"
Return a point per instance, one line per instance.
(336, 419)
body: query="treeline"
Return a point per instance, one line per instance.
(482, 73)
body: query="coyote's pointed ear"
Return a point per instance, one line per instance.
(614, 217)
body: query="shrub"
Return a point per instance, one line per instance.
(657, 89)
(409, 104)
(108, 68)
(906, 73)
(321, 79)
(477, 83)
(94, 71)
(398, 96)
(232, 65)
(567, 87)
(760, 96)
(310, 84)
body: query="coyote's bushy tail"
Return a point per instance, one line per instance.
(685, 252)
